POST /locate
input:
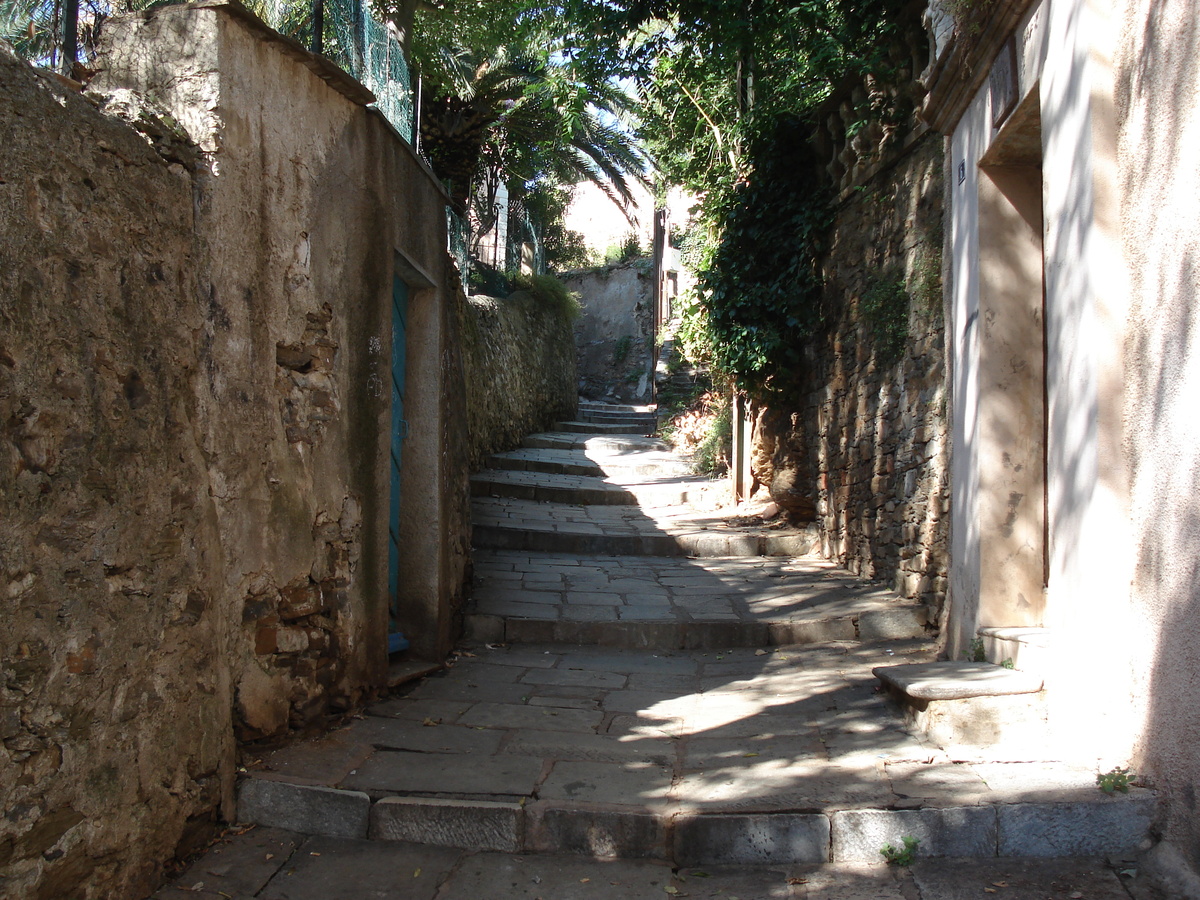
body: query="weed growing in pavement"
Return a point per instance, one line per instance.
(901, 857)
(1117, 780)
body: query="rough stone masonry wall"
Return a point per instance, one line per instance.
(115, 737)
(519, 368)
(614, 335)
(866, 453)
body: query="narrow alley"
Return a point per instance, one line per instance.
(653, 700)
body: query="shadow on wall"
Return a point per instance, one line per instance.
(1158, 67)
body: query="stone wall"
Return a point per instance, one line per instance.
(194, 359)
(115, 699)
(519, 367)
(614, 336)
(865, 453)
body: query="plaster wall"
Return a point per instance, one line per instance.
(1119, 87)
(312, 207)
(1157, 113)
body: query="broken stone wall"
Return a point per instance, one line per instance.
(519, 369)
(115, 740)
(614, 336)
(866, 452)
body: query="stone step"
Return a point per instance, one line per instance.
(667, 604)
(1033, 827)
(583, 539)
(617, 408)
(973, 710)
(582, 490)
(1026, 649)
(696, 758)
(598, 428)
(599, 446)
(273, 863)
(625, 467)
(899, 622)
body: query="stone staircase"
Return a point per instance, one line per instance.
(647, 677)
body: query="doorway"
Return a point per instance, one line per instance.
(1012, 373)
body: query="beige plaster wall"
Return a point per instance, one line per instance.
(312, 207)
(1119, 88)
(1157, 183)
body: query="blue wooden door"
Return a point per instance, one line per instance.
(396, 640)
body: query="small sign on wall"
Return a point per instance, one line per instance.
(1002, 82)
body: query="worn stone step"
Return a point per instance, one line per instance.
(624, 467)
(616, 408)
(581, 539)
(666, 604)
(582, 490)
(1026, 824)
(694, 757)
(272, 863)
(598, 428)
(600, 446)
(898, 622)
(973, 710)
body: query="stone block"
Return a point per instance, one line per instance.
(892, 624)
(860, 834)
(751, 839)
(304, 808)
(483, 628)
(597, 833)
(1108, 825)
(469, 824)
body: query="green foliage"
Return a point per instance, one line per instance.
(1115, 781)
(905, 856)
(977, 653)
(729, 92)
(551, 292)
(621, 349)
(712, 455)
(884, 307)
(488, 281)
(1008, 664)
(761, 291)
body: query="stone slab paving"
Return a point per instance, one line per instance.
(678, 602)
(723, 756)
(273, 864)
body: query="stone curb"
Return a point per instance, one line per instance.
(308, 809)
(1107, 825)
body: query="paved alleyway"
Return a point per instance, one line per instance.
(688, 699)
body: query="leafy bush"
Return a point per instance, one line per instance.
(551, 292)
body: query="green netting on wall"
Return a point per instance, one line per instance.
(356, 41)
(458, 235)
